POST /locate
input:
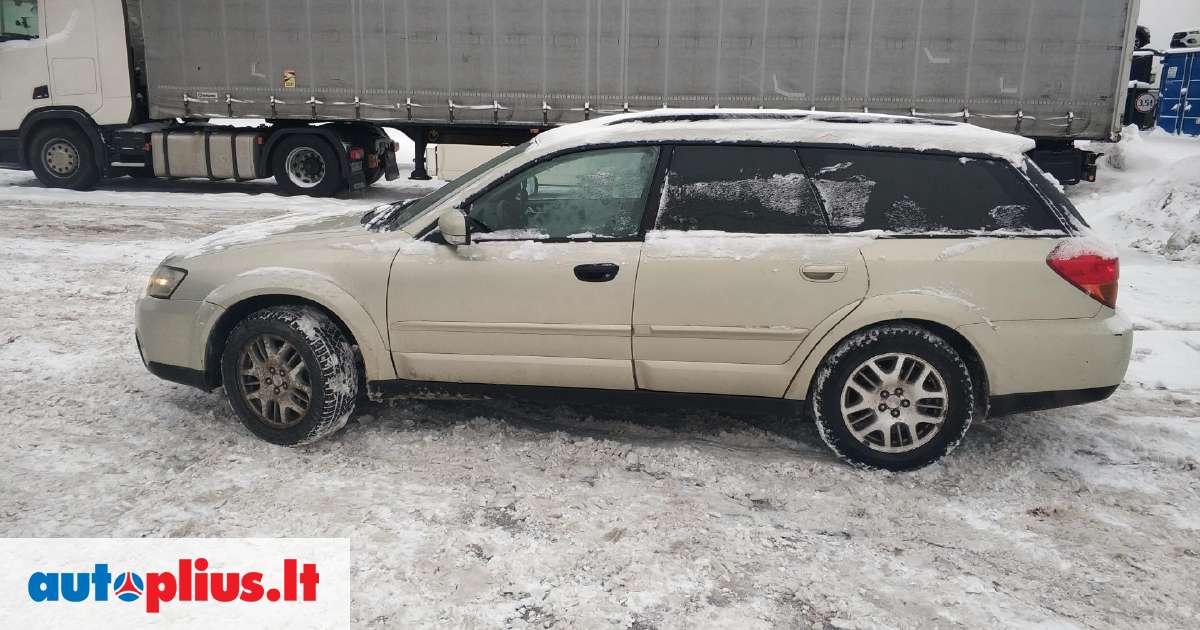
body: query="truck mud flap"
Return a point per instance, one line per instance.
(391, 170)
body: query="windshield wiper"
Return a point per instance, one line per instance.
(380, 217)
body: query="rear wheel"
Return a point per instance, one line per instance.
(61, 156)
(306, 164)
(290, 374)
(895, 397)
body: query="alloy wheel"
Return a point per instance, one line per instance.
(275, 381)
(894, 403)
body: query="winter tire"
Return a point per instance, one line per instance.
(61, 156)
(305, 164)
(290, 374)
(895, 397)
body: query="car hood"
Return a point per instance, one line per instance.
(288, 227)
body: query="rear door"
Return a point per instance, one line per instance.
(738, 269)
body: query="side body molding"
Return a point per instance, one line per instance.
(947, 310)
(320, 289)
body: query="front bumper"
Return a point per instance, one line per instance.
(172, 336)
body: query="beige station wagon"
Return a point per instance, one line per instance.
(895, 278)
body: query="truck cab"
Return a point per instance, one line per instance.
(65, 65)
(73, 110)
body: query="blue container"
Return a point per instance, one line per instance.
(1179, 104)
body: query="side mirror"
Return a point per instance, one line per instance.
(455, 228)
(531, 185)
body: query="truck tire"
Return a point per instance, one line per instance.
(305, 164)
(290, 375)
(61, 156)
(895, 397)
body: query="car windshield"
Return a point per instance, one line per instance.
(412, 211)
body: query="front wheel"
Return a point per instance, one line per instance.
(895, 397)
(61, 156)
(290, 374)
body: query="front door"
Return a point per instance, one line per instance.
(22, 62)
(544, 294)
(739, 269)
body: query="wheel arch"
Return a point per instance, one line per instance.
(40, 118)
(350, 317)
(940, 315)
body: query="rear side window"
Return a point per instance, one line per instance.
(743, 189)
(918, 193)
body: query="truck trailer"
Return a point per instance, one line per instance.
(106, 88)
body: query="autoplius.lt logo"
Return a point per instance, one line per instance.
(190, 582)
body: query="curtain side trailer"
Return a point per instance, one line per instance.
(104, 88)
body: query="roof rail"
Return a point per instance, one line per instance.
(661, 116)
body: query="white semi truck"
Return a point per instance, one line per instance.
(106, 88)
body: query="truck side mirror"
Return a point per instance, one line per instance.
(455, 228)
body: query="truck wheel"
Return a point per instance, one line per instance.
(62, 157)
(307, 165)
(895, 397)
(290, 374)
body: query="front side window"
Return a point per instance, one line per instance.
(739, 189)
(18, 19)
(915, 193)
(591, 194)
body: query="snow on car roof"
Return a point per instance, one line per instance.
(798, 126)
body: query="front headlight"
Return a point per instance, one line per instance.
(164, 281)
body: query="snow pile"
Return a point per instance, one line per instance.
(1148, 194)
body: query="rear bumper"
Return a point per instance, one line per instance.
(1040, 401)
(1040, 357)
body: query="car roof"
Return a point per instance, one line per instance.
(790, 127)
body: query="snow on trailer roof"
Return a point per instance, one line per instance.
(793, 126)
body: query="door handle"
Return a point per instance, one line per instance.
(599, 272)
(823, 273)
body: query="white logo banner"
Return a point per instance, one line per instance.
(174, 582)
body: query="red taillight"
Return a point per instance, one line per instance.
(1095, 274)
(356, 154)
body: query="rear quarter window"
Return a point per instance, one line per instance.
(913, 193)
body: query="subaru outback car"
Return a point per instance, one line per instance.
(894, 278)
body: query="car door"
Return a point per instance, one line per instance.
(544, 293)
(738, 270)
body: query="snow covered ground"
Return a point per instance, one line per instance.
(501, 514)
